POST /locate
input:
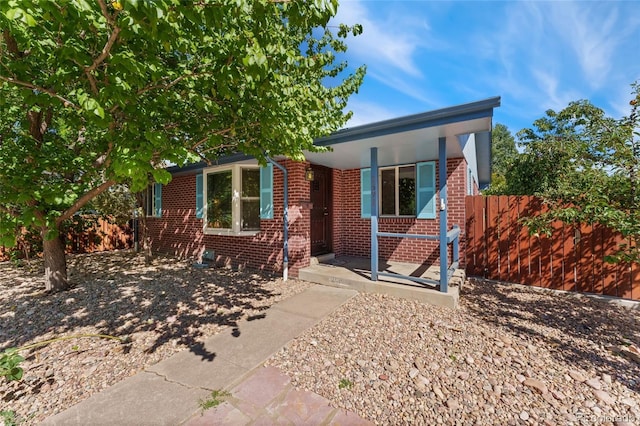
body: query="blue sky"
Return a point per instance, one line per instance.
(424, 55)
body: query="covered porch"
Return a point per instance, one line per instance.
(424, 144)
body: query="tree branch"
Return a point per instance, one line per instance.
(8, 211)
(103, 160)
(171, 83)
(80, 202)
(203, 140)
(49, 92)
(12, 44)
(111, 19)
(213, 148)
(105, 50)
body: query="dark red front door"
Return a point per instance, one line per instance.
(321, 211)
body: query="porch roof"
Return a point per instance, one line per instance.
(403, 140)
(415, 138)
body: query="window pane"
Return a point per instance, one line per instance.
(219, 197)
(407, 190)
(388, 191)
(250, 182)
(250, 214)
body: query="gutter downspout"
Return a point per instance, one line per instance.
(285, 245)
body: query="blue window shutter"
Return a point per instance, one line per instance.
(426, 184)
(199, 197)
(266, 192)
(157, 205)
(365, 193)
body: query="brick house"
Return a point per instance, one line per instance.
(235, 208)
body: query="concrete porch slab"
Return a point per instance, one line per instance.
(354, 273)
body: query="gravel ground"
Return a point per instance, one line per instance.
(160, 309)
(510, 355)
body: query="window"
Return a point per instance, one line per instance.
(398, 191)
(235, 198)
(152, 199)
(407, 190)
(250, 199)
(219, 200)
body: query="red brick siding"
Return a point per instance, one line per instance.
(179, 232)
(355, 232)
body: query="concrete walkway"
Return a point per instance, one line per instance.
(169, 393)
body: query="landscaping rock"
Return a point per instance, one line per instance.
(594, 383)
(514, 335)
(577, 376)
(537, 385)
(158, 309)
(604, 397)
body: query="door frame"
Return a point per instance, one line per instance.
(329, 201)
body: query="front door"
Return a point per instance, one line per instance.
(321, 211)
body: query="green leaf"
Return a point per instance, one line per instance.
(98, 111)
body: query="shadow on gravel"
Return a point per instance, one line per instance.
(589, 328)
(117, 294)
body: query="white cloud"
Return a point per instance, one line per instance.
(369, 112)
(389, 45)
(592, 33)
(550, 93)
(404, 86)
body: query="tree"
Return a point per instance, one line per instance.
(503, 154)
(550, 151)
(95, 93)
(593, 164)
(117, 204)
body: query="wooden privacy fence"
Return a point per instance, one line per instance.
(499, 247)
(101, 236)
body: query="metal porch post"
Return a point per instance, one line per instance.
(285, 218)
(374, 214)
(442, 175)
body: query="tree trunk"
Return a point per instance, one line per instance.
(143, 232)
(55, 264)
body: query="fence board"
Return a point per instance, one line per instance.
(569, 259)
(609, 270)
(471, 240)
(492, 241)
(557, 253)
(598, 258)
(623, 275)
(534, 245)
(499, 247)
(635, 281)
(514, 246)
(503, 237)
(584, 264)
(480, 226)
(523, 246)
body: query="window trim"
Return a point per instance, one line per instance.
(153, 198)
(365, 192)
(397, 190)
(236, 200)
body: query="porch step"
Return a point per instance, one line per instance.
(322, 258)
(343, 274)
